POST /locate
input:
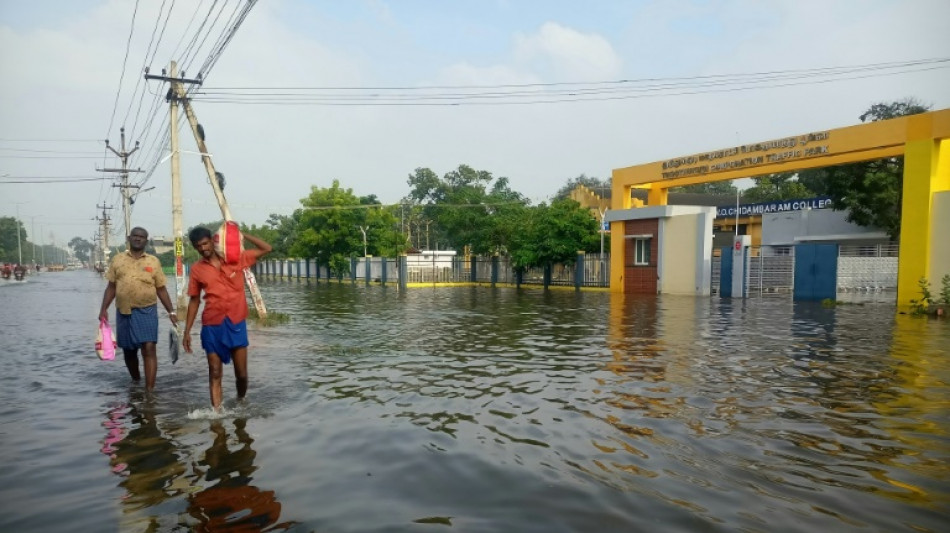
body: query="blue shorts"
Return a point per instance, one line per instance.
(132, 331)
(223, 338)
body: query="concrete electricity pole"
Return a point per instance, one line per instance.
(104, 233)
(126, 197)
(177, 223)
(177, 95)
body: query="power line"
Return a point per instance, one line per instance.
(46, 151)
(605, 82)
(31, 180)
(51, 140)
(162, 34)
(4, 156)
(597, 91)
(128, 45)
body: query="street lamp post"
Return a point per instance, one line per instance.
(363, 229)
(19, 248)
(33, 237)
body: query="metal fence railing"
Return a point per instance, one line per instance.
(867, 268)
(861, 268)
(589, 270)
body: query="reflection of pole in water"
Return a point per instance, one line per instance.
(233, 503)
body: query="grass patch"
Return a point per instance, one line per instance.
(273, 318)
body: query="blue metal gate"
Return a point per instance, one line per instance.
(816, 271)
(725, 273)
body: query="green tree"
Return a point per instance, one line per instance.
(717, 187)
(328, 230)
(462, 209)
(600, 186)
(554, 234)
(81, 248)
(781, 186)
(9, 250)
(279, 231)
(870, 191)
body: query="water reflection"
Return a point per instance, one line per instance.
(491, 410)
(229, 502)
(148, 461)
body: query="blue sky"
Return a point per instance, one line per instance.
(67, 58)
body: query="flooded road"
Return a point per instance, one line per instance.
(481, 410)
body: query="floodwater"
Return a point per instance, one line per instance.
(480, 410)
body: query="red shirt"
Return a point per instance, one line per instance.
(223, 288)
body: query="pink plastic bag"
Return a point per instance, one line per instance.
(105, 341)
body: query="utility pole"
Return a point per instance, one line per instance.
(104, 232)
(177, 95)
(177, 223)
(126, 197)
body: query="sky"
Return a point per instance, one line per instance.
(561, 88)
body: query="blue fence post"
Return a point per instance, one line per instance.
(353, 269)
(367, 268)
(307, 264)
(494, 270)
(547, 275)
(382, 278)
(579, 270)
(473, 271)
(519, 276)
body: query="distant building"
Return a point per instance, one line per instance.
(162, 244)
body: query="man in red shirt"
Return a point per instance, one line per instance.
(223, 322)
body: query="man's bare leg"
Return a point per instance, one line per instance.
(214, 380)
(132, 363)
(150, 359)
(239, 359)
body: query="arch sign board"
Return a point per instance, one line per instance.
(923, 140)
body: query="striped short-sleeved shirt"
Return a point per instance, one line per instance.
(136, 280)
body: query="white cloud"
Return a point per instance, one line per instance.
(568, 54)
(67, 73)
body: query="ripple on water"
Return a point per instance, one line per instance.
(486, 410)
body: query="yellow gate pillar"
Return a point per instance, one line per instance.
(926, 171)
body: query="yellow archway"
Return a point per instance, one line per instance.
(923, 140)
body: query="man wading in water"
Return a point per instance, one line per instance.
(223, 321)
(136, 281)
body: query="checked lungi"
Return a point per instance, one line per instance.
(138, 328)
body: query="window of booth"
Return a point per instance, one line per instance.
(641, 252)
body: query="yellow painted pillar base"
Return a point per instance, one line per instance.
(926, 171)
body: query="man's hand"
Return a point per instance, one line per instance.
(174, 318)
(186, 341)
(104, 315)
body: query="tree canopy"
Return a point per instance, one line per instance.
(781, 186)
(716, 187)
(330, 228)
(870, 191)
(600, 186)
(554, 234)
(81, 248)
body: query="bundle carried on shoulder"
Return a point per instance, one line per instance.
(228, 242)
